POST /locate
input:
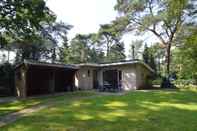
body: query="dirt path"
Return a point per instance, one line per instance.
(7, 99)
(14, 116)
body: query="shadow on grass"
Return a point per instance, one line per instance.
(134, 111)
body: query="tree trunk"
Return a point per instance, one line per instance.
(8, 56)
(108, 49)
(53, 55)
(133, 52)
(168, 57)
(159, 64)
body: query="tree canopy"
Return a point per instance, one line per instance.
(163, 18)
(21, 19)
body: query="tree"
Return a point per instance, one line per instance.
(149, 56)
(30, 49)
(96, 56)
(116, 53)
(7, 79)
(163, 18)
(45, 45)
(109, 37)
(184, 55)
(79, 49)
(152, 63)
(83, 49)
(22, 21)
(135, 49)
(146, 54)
(22, 18)
(56, 33)
(64, 49)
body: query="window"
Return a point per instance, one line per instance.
(88, 73)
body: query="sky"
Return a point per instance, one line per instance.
(84, 15)
(87, 15)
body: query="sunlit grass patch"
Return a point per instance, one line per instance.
(18, 105)
(149, 111)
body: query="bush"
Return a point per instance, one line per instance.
(7, 86)
(183, 82)
(157, 81)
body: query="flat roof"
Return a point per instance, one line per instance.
(129, 62)
(77, 66)
(39, 63)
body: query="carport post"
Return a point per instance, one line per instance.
(21, 81)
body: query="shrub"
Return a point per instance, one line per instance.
(7, 79)
(183, 82)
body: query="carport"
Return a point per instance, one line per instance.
(110, 78)
(38, 78)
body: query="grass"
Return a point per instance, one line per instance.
(18, 105)
(137, 111)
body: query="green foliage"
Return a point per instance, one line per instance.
(162, 18)
(109, 37)
(146, 54)
(53, 34)
(45, 45)
(83, 49)
(185, 56)
(20, 19)
(148, 57)
(79, 49)
(104, 46)
(7, 86)
(116, 53)
(134, 51)
(24, 26)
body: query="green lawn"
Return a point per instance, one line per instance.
(18, 105)
(136, 111)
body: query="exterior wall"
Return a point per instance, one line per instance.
(100, 77)
(20, 82)
(129, 77)
(142, 77)
(83, 80)
(133, 76)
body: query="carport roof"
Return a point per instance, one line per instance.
(46, 64)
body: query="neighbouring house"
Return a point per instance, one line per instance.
(35, 78)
